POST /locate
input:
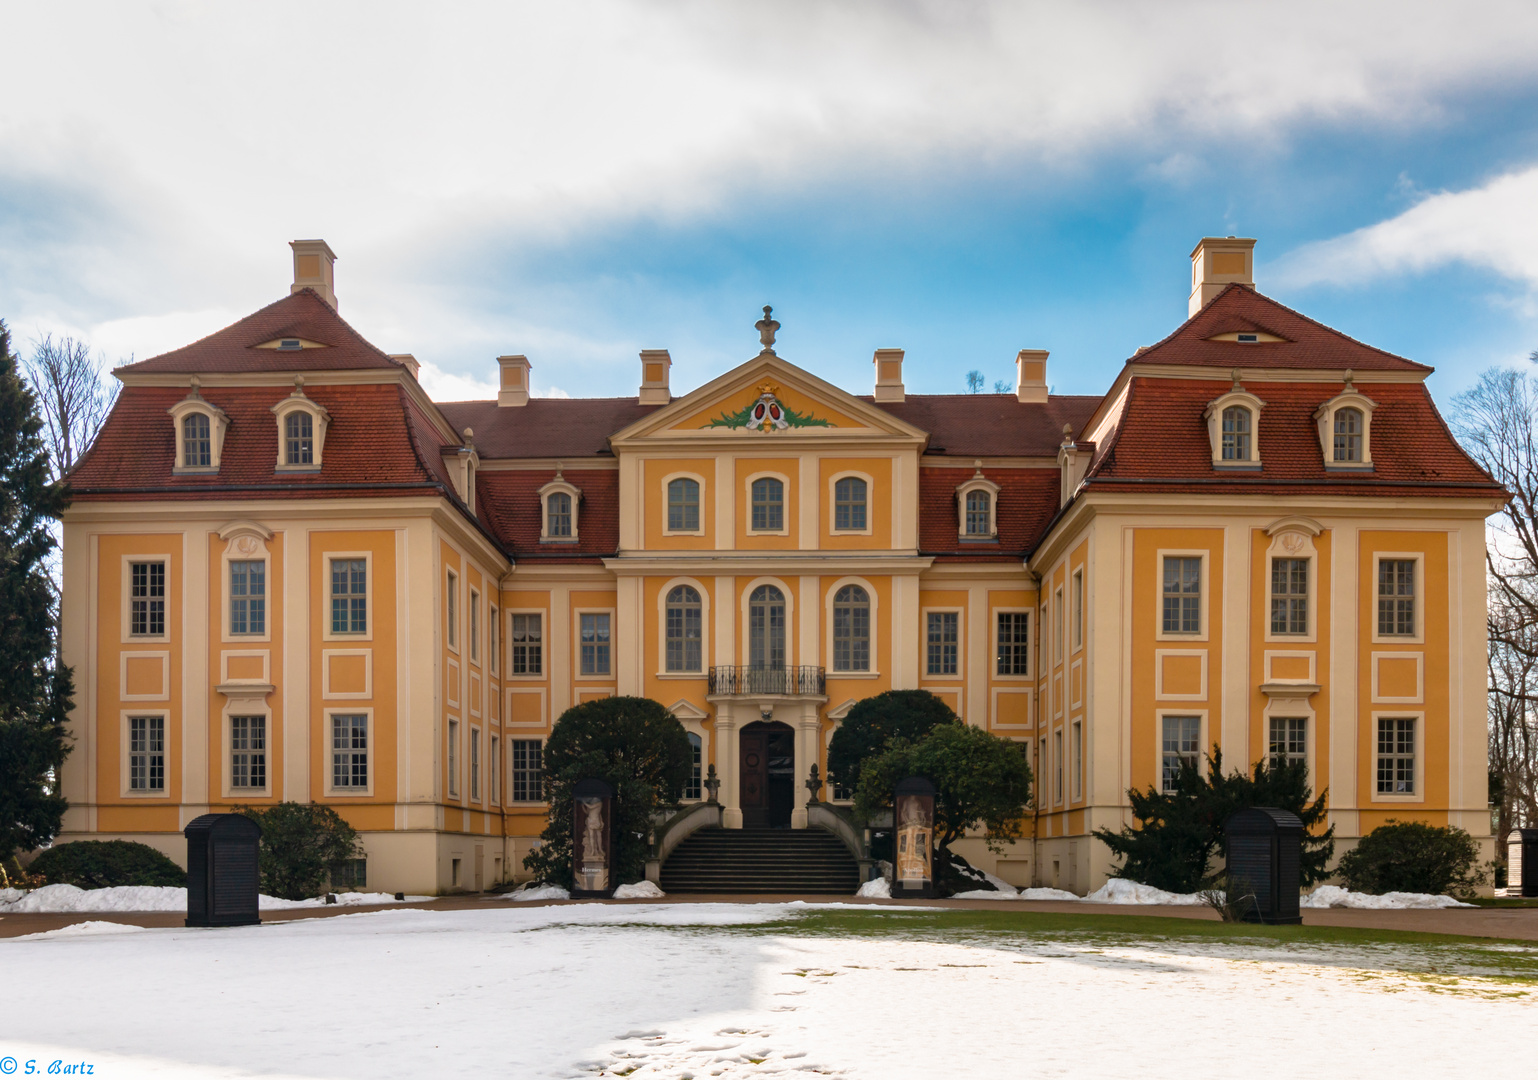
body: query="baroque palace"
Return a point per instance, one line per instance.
(289, 574)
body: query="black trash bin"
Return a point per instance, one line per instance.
(222, 876)
(1265, 852)
(1522, 862)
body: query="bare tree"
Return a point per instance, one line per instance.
(1497, 423)
(72, 396)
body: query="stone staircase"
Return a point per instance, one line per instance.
(761, 861)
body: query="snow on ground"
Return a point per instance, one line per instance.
(534, 891)
(1333, 896)
(641, 890)
(655, 991)
(68, 899)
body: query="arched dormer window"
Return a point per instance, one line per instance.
(200, 427)
(1345, 429)
(559, 501)
(1233, 428)
(302, 424)
(977, 507)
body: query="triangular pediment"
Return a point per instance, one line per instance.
(767, 398)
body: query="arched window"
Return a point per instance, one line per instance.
(851, 629)
(768, 505)
(558, 509)
(766, 628)
(683, 630)
(197, 441)
(1348, 434)
(849, 504)
(1236, 433)
(979, 514)
(693, 788)
(299, 438)
(683, 505)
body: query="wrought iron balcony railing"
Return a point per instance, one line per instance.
(780, 681)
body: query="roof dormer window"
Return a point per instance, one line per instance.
(302, 424)
(1247, 337)
(290, 344)
(200, 427)
(559, 501)
(977, 507)
(1345, 429)
(1233, 428)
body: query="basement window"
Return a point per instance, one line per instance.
(289, 344)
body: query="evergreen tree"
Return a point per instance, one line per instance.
(875, 721)
(36, 691)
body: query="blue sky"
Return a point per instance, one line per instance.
(578, 182)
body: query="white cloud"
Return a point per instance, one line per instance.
(446, 386)
(1494, 227)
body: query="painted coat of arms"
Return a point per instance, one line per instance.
(767, 414)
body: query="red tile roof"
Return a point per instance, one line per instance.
(509, 502)
(545, 427)
(992, 425)
(1239, 308)
(1027, 501)
(299, 315)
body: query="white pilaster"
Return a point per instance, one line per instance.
(726, 765)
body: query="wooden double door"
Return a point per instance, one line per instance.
(766, 774)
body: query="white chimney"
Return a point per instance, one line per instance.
(1216, 263)
(655, 365)
(314, 268)
(889, 375)
(407, 361)
(1031, 375)
(515, 380)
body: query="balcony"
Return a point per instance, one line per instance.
(767, 682)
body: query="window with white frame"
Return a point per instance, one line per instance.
(526, 637)
(1396, 597)
(1014, 635)
(147, 599)
(1182, 594)
(942, 639)
(453, 758)
(451, 604)
(1349, 428)
(1289, 596)
(494, 758)
(1076, 745)
(684, 641)
(200, 428)
(1078, 609)
(851, 629)
(594, 629)
(849, 494)
(197, 441)
(475, 763)
(1057, 626)
(1041, 653)
(146, 753)
(1236, 433)
(248, 751)
(349, 751)
(1345, 429)
(349, 596)
(767, 505)
(1041, 773)
(299, 438)
(979, 514)
(694, 788)
(683, 505)
(558, 509)
(1396, 755)
(475, 625)
(1289, 740)
(1057, 766)
(528, 773)
(493, 628)
(248, 596)
(1182, 739)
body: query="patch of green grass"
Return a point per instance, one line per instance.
(1504, 901)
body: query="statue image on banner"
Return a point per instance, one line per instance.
(915, 826)
(593, 870)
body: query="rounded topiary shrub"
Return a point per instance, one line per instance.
(1411, 856)
(303, 844)
(101, 864)
(875, 721)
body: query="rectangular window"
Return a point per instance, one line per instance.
(1396, 597)
(1078, 609)
(694, 787)
(768, 505)
(248, 597)
(849, 504)
(349, 596)
(453, 761)
(683, 506)
(1014, 643)
(1057, 765)
(493, 625)
(349, 752)
(943, 628)
(496, 768)
(528, 770)
(248, 751)
(1041, 774)
(1057, 627)
(1289, 740)
(350, 875)
(1182, 744)
(528, 652)
(147, 599)
(451, 603)
(475, 763)
(1396, 756)
(595, 644)
(1182, 595)
(475, 625)
(1077, 746)
(1041, 654)
(1289, 596)
(146, 753)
